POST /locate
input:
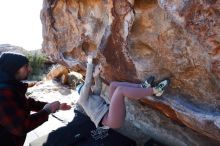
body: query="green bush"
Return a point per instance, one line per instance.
(36, 61)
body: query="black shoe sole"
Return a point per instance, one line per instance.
(150, 80)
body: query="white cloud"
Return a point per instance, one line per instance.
(20, 23)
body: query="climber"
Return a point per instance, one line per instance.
(112, 115)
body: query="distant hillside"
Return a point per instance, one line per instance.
(17, 49)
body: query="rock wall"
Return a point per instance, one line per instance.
(132, 39)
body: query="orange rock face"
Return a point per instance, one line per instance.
(133, 39)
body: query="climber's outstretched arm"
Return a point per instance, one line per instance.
(84, 94)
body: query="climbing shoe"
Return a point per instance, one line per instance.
(148, 82)
(160, 87)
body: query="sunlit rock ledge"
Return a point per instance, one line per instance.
(134, 39)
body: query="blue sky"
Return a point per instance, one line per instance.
(20, 23)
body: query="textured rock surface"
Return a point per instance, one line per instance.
(179, 39)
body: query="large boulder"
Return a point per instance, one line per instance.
(135, 39)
